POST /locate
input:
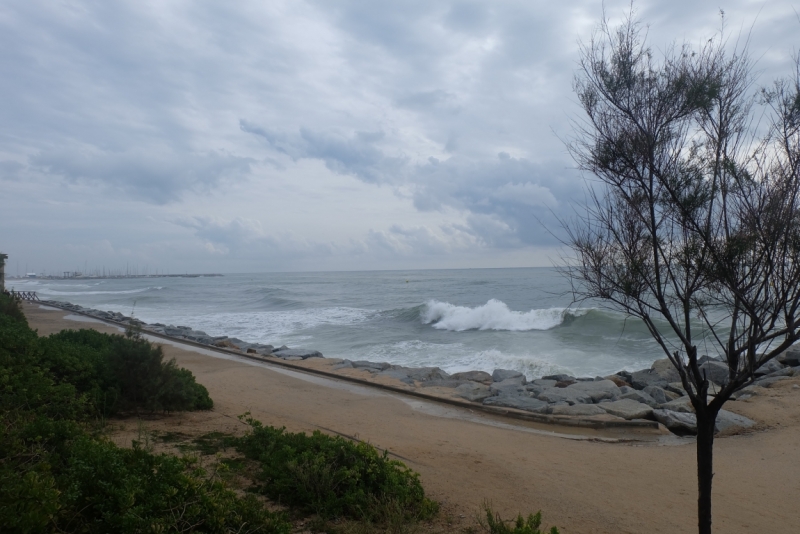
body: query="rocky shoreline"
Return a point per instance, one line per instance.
(654, 394)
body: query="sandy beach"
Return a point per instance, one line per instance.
(634, 483)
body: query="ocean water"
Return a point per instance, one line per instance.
(476, 319)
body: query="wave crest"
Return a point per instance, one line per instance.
(494, 315)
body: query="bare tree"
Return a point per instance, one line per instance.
(694, 224)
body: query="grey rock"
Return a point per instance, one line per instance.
(505, 389)
(681, 404)
(730, 421)
(676, 387)
(715, 371)
(559, 378)
(570, 396)
(303, 354)
(474, 392)
(647, 377)
(665, 370)
(400, 374)
(786, 371)
(628, 409)
(705, 358)
(544, 383)
(597, 389)
(504, 374)
(745, 393)
(449, 383)
(516, 380)
(768, 381)
(769, 367)
(658, 394)
(476, 376)
(677, 422)
(578, 409)
(640, 396)
(790, 356)
(424, 374)
(520, 403)
(345, 364)
(292, 358)
(371, 366)
(625, 389)
(533, 389)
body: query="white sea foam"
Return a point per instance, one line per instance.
(269, 326)
(494, 315)
(48, 291)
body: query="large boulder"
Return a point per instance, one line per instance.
(560, 378)
(790, 356)
(473, 391)
(769, 380)
(475, 376)
(423, 374)
(584, 410)
(677, 422)
(665, 370)
(715, 371)
(507, 388)
(567, 395)
(303, 354)
(660, 395)
(731, 421)
(598, 390)
(499, 375)
(681, 404)
(520, 403)
(640, 396)
(544, 383)
(647, 377)
(627, 409)
(769, 367)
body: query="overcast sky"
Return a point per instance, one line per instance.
(306, 135)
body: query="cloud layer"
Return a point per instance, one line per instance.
(306, 134)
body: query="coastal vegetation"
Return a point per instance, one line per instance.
(60, 473)
(694, 227)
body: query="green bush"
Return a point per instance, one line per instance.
(122, 373)
(333, 477)
(494, 524)
(57, 476)
(108, 489)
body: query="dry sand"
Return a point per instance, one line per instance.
(582, 486)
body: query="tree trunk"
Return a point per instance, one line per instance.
(705, 472)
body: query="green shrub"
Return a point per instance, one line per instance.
(56, 476)
(333, 477)
(494, 524)
(108, 489)
(122, 373)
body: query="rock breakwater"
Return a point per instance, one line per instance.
(654, 394)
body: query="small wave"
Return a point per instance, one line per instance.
(494, 315)
(47, 291)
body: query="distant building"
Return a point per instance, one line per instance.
(3, 258)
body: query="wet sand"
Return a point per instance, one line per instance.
(581, 485)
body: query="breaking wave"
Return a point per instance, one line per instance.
(494, 315)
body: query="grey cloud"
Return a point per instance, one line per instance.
(513, 196)
(157, 175)
(357, 154)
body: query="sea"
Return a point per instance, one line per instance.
(472, 319)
